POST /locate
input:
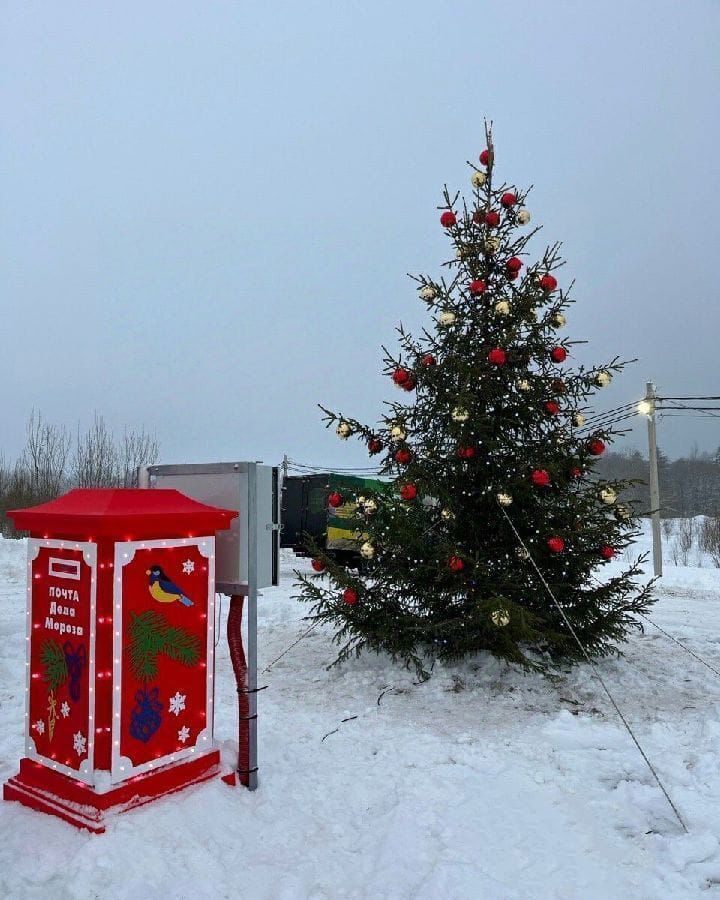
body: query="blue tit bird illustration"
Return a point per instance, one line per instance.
(163, 590)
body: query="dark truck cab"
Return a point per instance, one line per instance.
(305, 511)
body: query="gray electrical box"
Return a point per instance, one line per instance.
(249, 550)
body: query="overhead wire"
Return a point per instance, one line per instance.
(663, 399)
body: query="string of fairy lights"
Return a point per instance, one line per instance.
(663, 407)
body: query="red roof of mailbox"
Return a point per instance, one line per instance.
(125, 513)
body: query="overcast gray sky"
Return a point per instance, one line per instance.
(208, 208)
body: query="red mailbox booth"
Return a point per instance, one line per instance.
(120, 651)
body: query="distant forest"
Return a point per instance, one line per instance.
(55, 459)
(689, 486)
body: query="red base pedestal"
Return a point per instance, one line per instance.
(43, 789)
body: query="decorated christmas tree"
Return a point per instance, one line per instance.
(494, 525)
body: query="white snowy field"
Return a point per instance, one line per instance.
(482, 783)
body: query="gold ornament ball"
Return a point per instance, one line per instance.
(623, 511)
(579, 419)
(502, 307)
(522, 553)
(523, 384)
(428, 292)
(559, 320)
(447, 317)
(523, 216)
(459, 414)
(478, 179)
(367, 551)
(608, 495)
(504, 499)
(369, 507)
(603, 379)
(343, 431)
(492, 245)
(397, 433)
(500, 617)
(447, 514)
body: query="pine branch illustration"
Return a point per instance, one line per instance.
(181, 646)
(150, 635)
(54, 664)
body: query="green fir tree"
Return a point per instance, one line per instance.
(493, 433)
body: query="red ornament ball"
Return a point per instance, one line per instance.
(318, 565)
(559, 386)
(400, 376)
(558, 354)
(497, 356)
(466, 452)
(607, 552)
(455, 564)
(485, 157)
(540, 478)
(576, 472)
(478, 217)
(477, 287)
(551, 408)
(512, 276)
(596, 447)
(548, 282)
(492, 218)
(408, 492)
(374, 446)
(335, 499)
(428, 360)
(509, 199)
(513, 264)
(556, 544)
(410, 384)
(350, 596)
(403, 456)
(448, 219)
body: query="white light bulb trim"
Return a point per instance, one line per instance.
(121, 767)
(85, 771)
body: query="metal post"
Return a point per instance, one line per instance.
(252, 517)
(650, 398)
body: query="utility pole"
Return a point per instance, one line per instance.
(649, 407)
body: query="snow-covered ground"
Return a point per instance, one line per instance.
(481, 783)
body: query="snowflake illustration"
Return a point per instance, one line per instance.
(177, 703)
(188, 567)
(79, 742)
(39, 726)
(65, 709)
(183, 734)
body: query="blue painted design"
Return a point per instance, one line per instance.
(146, 715)
(75, 660)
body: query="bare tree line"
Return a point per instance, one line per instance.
(689, 486)
(689, 500)
(54, 460)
